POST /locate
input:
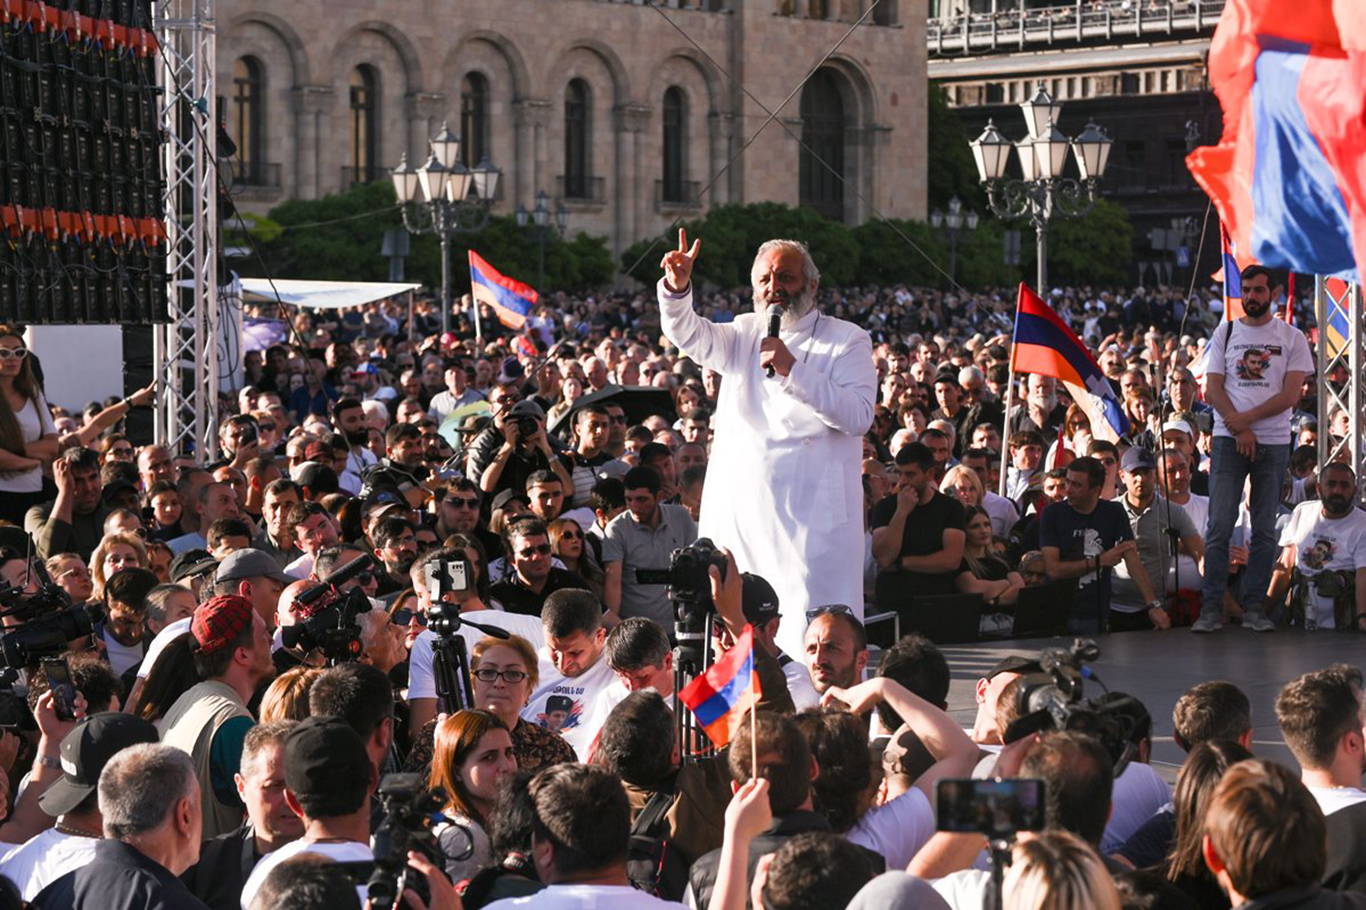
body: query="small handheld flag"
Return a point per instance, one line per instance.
(1233, 279)
(510, 299)
(720, 697)
(1045, 345)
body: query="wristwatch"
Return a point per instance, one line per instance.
(1155, 605)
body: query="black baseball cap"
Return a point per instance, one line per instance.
(190, 563)
(320, 752)
(1014, 664)
(759, 600)
(507, 496)
(84, 753)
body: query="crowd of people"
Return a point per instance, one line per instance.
(428, 577)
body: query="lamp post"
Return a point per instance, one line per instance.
(444, 197)
(955, 221)
(540, 218)
(1044, 192)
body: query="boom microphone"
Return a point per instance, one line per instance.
(775, 322)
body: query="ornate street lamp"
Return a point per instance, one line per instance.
(539, 218)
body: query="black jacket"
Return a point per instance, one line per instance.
(1346, 867)
(224, 864)
(120, 876)
(518, 598)
(1310, 897)
(702, 878)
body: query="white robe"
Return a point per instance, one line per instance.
(783, 490)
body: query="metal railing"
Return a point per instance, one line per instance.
(581, 189)
(1085, 20)
(256, 175)
(674, 195)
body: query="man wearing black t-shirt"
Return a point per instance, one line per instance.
(1084, 538)
(918, 533)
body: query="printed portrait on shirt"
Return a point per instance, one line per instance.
(1320, 554)
(561, 713)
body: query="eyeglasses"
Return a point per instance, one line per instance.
(405, 616)
(15, 353)
(462, 502)
(529, 552)
(509, 676)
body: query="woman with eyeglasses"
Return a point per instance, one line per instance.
(72, 575)
(116, 551)
(472, 761)
(28, 437)
(567, 542)
(504, 673)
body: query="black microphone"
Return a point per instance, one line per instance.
(775, 322)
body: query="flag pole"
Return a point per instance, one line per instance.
(754, 741)
(1010, 398)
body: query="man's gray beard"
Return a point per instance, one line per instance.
(796, 308)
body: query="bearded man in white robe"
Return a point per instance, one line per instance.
(783, 491)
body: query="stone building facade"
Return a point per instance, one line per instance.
(622, 111)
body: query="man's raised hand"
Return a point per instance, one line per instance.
(677, 264)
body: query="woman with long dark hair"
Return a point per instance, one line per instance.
(472, 762)
(28, 437)
(1195, 782)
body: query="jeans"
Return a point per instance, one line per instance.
(1228, 472)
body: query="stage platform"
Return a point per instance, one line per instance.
(1157, 667)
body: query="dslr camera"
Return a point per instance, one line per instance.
(687, 577)
(1052, 699)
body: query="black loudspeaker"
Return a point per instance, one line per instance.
(137, 374)
(82, 239)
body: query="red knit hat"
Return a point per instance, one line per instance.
(218, 621)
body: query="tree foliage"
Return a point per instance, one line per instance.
(339, 238)
(1094, 249)
(951, 171)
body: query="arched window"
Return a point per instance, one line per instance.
(823, 127)
(577, 110)
(474, 114)
(364, 124)
(673, 188)
(246, 118)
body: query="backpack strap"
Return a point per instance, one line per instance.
(658, 806)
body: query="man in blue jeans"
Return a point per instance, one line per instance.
(1254, 367)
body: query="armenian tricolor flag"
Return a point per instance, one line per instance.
(1232, 276)
(1288, 176)
(510, 299)
(1045, 345)
(721, 696)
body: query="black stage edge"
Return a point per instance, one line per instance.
(1157, 667)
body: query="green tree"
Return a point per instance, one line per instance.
(950, 170)
(1094, 249)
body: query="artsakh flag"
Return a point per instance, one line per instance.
(1289, 174)
(721, 696)
(1045, 345)
(510, 299)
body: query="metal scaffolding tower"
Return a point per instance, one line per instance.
(184, 350)
(1342, 345)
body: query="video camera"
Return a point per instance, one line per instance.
(50, 622)
(687, 577)
(410, 812)
(1052, 700)
(328, 615)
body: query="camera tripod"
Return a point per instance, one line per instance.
(692, 657)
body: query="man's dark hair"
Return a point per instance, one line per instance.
(390, 529)
(1021, 438)
(1267, 829)
(82, 458)
(513, 817)
(1315, 711)
(916, 453)
(1102, 446)
(541, 477)
(919, 665)
(1056, 474)
(595, 410)
(1078, 781)
(1305, 457)
(839, 742)
(641, 478)
(935, 432)
(652, 452)
(91, 676)
(357, 693)
(284, 485)
(400, 432)
(1145, 890)
(637, 643)
(636, 742)
(1252, 271)
(332, 557)
(130, 587)
(226, 527)
(308, 881)
(816, 871)
(344, 404)
(569, 611)
(1091, 467)
(583, 813)
(641, 434)
(846, 619)
(1338, 466)
(608, 494)
(523, 528)
(789, 777)
(1216, 709)
(1138, 720)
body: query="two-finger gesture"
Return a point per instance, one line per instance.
(677, 264)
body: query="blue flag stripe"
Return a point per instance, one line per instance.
(1031, 329)
(721, 703)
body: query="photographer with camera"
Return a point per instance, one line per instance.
(642, 537)
(1323, 557)
(328, 780)
(515, 446)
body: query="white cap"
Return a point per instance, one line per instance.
(1181, 425)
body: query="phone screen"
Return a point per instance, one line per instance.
(58, 675)
(996, 808)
